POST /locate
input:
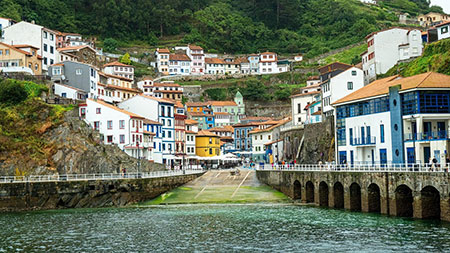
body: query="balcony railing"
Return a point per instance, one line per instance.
(368, 140)
(427, 136)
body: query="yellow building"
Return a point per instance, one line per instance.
(20, 58)
(207, 144)
(432, 18)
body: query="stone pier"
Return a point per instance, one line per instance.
(24, 196)
(423, 195)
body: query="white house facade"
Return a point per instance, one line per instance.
(340, 86)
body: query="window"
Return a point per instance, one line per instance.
(122, 138)
(45, 48)
(109, 138)
(51, 49)
(444, 29)
(299, 108)
(210, 151)
(52, 37)
(382, 133)
(353, 72)
(349, 85)
(6, 51)
(78, 72)
(57, 71)
(98, 110)
(169, 134)
(110, 124)
(122, 124)
(96, 125)
(45, 35)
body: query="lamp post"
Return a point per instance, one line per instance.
(138, 157)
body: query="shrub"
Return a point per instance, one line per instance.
(12, 92)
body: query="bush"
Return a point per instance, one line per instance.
(110, 44)
(12, 92)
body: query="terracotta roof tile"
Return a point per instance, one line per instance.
(206, 133)
(214, 61)
(222, 103)
(179, 57)
(163, 51)
(195, 47)
(381, 87)
(116, 63)
(190, 122)
(306, 94)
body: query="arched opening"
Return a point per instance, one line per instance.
(323, 194)
(355, 197)
(309, 192)
(338, 193)
(404, 201)
(297, 190)
(431, 203)
(374, 198)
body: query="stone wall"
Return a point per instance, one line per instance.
(85, 194)
(275, 109)
(318, 144)
(406, 194)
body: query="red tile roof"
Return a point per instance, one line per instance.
(179, 57)
(194, 47)
(163, 51)
(116, 63)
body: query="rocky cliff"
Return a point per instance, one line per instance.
(36, 138)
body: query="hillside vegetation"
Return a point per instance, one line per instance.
(232, 26)
(436, 58)
(37, 138)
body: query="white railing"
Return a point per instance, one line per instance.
(100, 176)
(358, 168)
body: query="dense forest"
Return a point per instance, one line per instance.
(232, 26)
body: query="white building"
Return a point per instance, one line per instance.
(395, 120)
(298, 58)
(197, 57)
(387, 47)
(222, 119)
(191, 131)
(159, 110)
(298, 104)
(244, 65)
(36, 36)
(5, 22)
(67, 91)
(119, 69)
(443, 30)
(268, 63)
(340, 86)
(162, 60)
(146, 85)
(214, 66)
(117, 126)
(179, 64)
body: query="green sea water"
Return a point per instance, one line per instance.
(218, 228)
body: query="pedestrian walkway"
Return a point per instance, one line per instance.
(221, 186)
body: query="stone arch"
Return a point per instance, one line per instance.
(309, 192)
(355, 197)
(323, 194)
(374, 198)
(338, 194)
(404, 201)
(431, 203)
(297, 190)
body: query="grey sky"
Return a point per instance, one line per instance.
(445, 4)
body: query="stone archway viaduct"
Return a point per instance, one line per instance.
(423, 195)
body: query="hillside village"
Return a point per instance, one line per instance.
(376, 120)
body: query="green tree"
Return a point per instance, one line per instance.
(12, 92)
(110, 44)
(125, 59)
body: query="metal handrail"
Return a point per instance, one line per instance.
(99, 176)
(436, 168)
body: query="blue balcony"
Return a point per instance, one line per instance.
(366, 141)
(428, 136)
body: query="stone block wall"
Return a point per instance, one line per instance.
(85, 194)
